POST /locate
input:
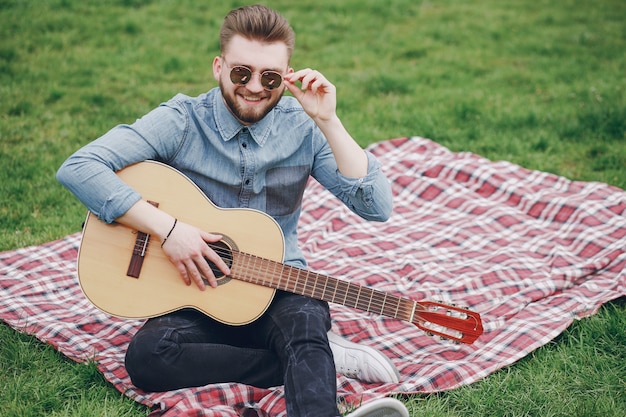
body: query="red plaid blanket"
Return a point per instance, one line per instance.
(530, 251)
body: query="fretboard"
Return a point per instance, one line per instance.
(260, 271)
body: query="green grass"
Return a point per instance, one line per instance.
(540, 83)
(35, 380)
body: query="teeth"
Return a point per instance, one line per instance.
(252, 98)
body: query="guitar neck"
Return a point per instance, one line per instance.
(295, 280)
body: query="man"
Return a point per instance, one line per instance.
(244, 145)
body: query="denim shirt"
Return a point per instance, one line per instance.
(264, 166)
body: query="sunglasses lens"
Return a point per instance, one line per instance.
(240, 75)
(271, 80)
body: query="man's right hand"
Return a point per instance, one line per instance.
(187, 249)
(186, 246)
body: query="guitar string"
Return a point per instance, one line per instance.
(343, 291)
(266, 272)
(314, 284)
(261, 275)
(261, 270)
(349, 298)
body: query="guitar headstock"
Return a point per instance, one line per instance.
(448, 321)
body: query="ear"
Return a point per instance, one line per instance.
(217, 67)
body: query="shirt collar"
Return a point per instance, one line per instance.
(229, 126)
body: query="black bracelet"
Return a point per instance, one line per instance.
(170, 232)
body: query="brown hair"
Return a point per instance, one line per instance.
(259, 23)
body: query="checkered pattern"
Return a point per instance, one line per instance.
(530, 251)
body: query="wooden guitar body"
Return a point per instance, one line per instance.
(105, 253)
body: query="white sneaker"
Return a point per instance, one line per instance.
(382, 407)
(361, 362)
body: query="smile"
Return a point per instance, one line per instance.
(248, 98)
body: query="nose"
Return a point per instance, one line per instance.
(254, 85)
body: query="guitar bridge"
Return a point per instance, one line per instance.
(139, 251)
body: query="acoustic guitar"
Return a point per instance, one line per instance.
(126, 274)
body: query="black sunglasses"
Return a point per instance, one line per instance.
(241, 75)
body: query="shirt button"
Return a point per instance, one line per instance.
(244, 145)
(247, 182)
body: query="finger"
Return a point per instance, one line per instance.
(206, 271)
(309, 79)
(211, 255)
(318, 86)
(297, 75)
(294, 90)
(195, 275)
(303, 76)
(182, 270)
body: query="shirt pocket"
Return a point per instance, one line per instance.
(284, 189)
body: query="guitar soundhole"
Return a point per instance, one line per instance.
(225, 252)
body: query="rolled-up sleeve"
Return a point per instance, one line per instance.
(96, 185)
(369, 197)
(90, 173)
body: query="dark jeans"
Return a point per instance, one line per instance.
(287, 345)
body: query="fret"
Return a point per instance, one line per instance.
(357, 299)
(320, 289)
(240, 262)
(304, 286)
(390, 307)
(369, 305)
(324, 289)
(297, 288)
(383, 304)
(364, 304)
(295, 276)
(296, 281)
(277, 270)
(261, 271)
(291, 285)
(256, 271)
(332, 287)
(335, 289)
(314, 292)
(382, 307)
(397, 308)
(247, 268)
(292, 271)
(250, 268)
(277, 277)
(347, 287)
(269, 272)
(280, 284)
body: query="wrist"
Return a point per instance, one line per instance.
(169, 233)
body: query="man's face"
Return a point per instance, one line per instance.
(251, 102)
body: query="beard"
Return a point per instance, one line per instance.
(249, 114)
